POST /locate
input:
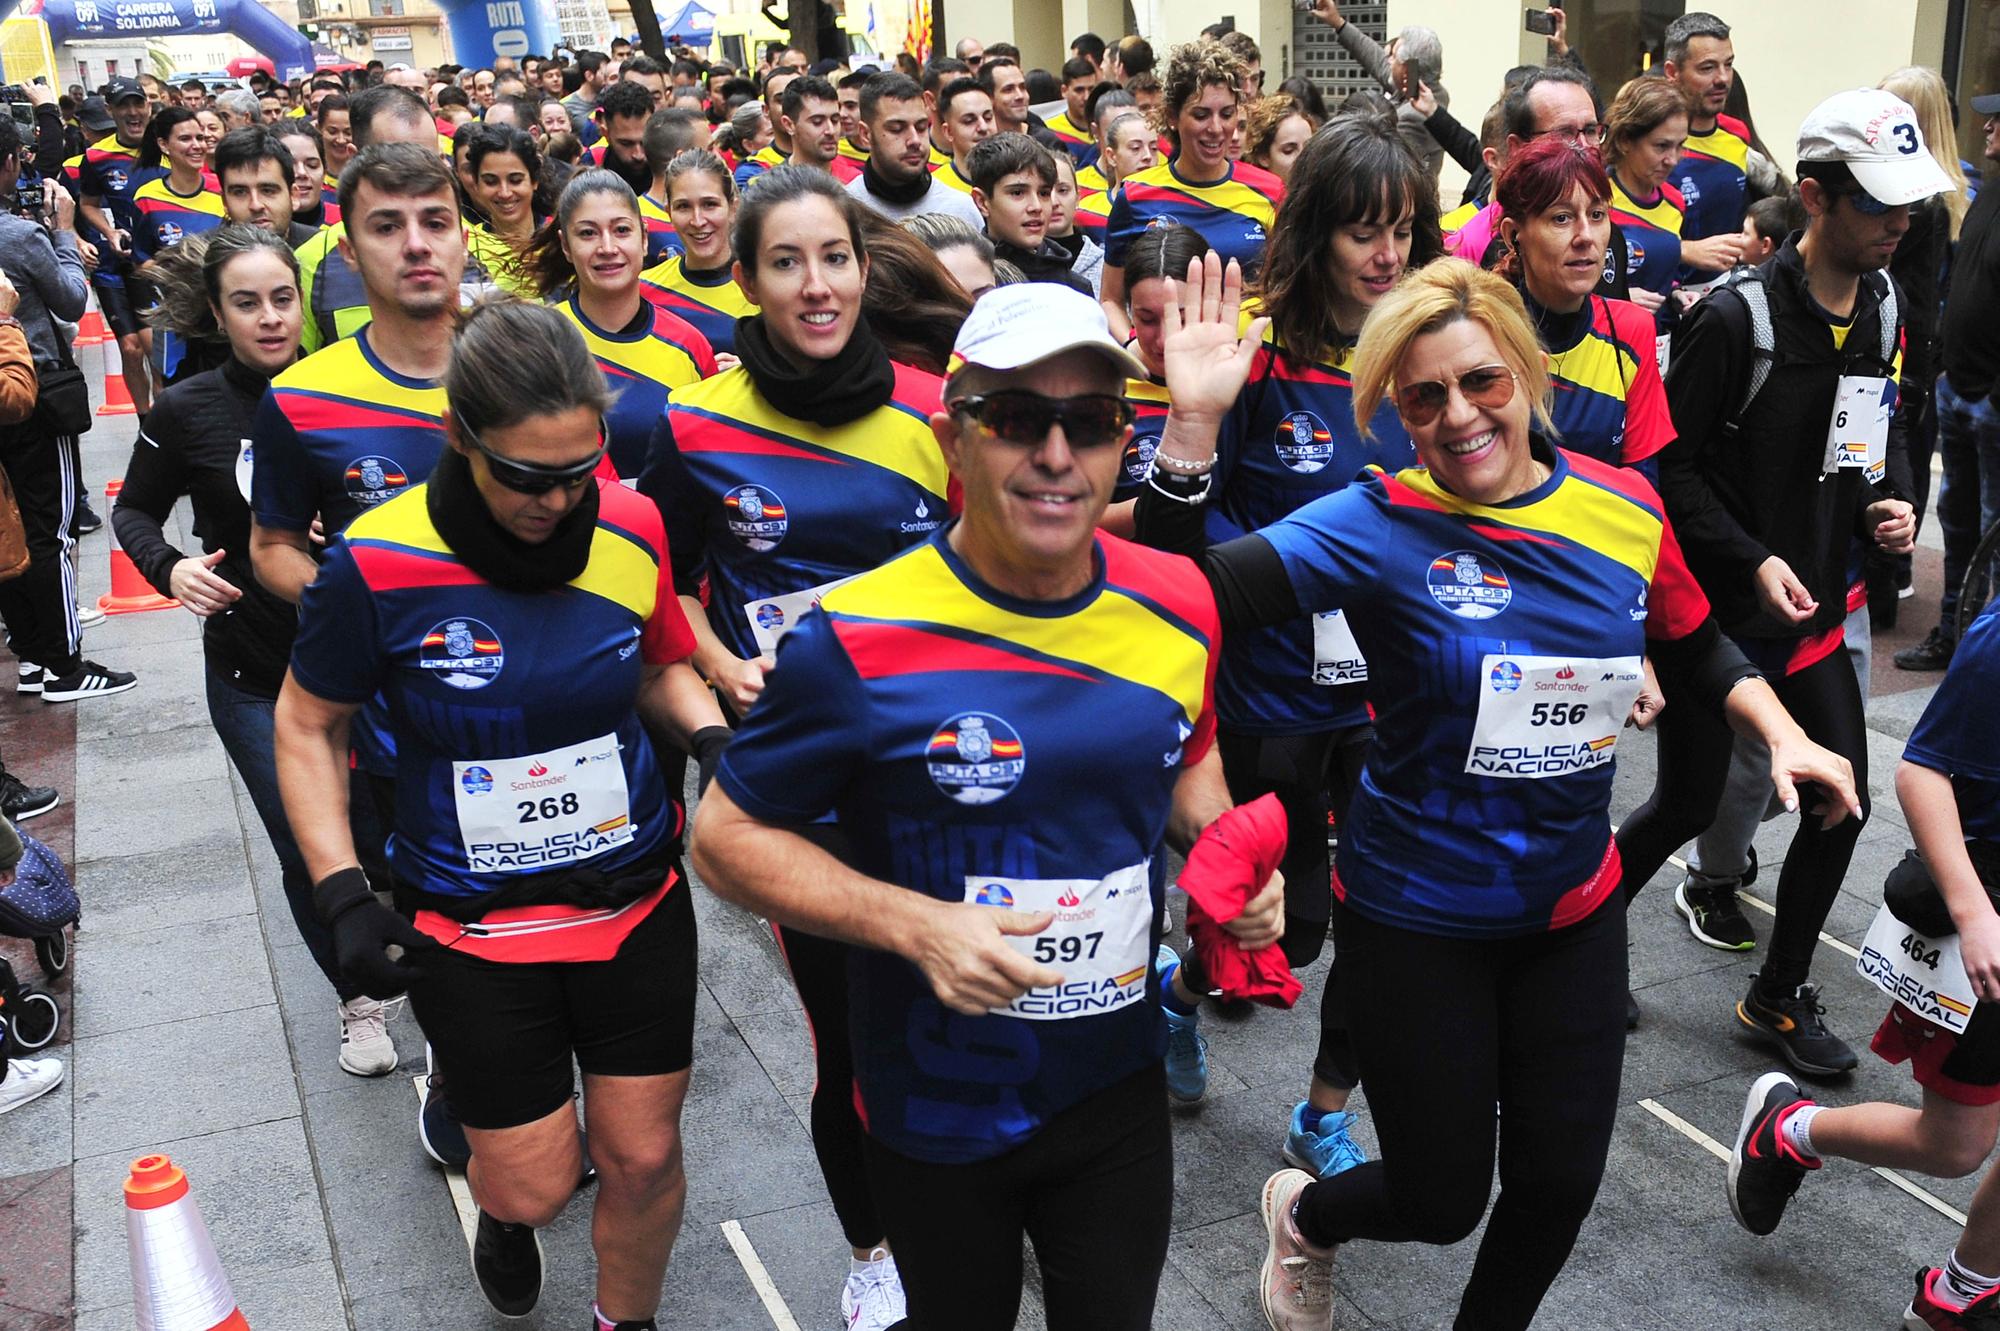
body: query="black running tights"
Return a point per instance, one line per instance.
(819, 970)
(1694, 761)
(1093, 1191)
(1446, 1029)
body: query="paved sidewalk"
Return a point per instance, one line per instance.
(201, 1028)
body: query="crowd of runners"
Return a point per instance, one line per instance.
(930, 504)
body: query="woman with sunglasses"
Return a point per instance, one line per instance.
(1510, 590)
(1292, 716)
(505, 171)
(1155, 263)
(1231, 203)
(1555, 203)
(587, 259)
(243, 290)
(809, 463)
(517, 616)
(699, 284)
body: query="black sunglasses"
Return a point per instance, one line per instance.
(1017, 416)
(531, 478)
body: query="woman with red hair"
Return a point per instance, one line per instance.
(1555, 205)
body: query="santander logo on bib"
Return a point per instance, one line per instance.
(1069, 898)
(1567, 672)
(537, 769)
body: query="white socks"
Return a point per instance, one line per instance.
(1797, 1130)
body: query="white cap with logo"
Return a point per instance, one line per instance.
(1024, 323)
(1876, 134)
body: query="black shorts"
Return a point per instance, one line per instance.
(508, 1036)
(114, 300)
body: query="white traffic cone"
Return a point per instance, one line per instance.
(177, 1280)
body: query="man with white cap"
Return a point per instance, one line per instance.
(1009, 720)
(1783, 390)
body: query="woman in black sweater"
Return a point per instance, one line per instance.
(196, 442)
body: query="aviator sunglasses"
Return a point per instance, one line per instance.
(1489, 386)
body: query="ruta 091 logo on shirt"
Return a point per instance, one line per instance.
(1304, 443)
(1469, 587)
(463, 653)
(370, 480)
(975, 758)
(1139, 457)
(756, 516)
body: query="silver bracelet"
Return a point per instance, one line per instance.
(1183, 467)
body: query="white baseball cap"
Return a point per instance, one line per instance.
(1024, 323)
(1876, 134)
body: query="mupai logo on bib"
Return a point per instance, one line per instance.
(372, 479)
(1304, 443)
(1506, 677)
(975, 758)
(477, 781)
(1468, 588)
(770, 615)
(464, 653)
(756, 516)
(994, 894)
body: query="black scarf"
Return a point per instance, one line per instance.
(827, 392)
(509, 563)
(889, 191)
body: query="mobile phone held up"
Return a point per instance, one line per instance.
(1538, 21)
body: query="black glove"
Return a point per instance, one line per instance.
(362, 929)
(708, 744)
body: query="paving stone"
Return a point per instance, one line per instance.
(256, 1191)
(34, 1232)
(149, 979)
(201, 1074)
(155, 889)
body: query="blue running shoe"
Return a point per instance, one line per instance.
(1322, 1148)
(1187, 1050)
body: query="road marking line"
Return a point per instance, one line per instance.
(1824, 936)
(1769, 909)
(1937, 1204)
(1720, 1152)
(760, 1279)
(455, 1184)
(1686, 1129)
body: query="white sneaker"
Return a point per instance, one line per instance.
(365, 1047)
(872, 1299)
(88, 615)
(28, 1079)
(1295, 1283)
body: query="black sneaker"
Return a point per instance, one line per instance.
(1764, 1169)
(90, 680)
(1933, 653)
(86, 520)
(31, 678)
(507, 1259)
(1713, 916)
(19, 800)
(1631, 1011)
(438, 1129)
(1792, 1023)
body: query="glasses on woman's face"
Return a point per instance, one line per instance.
(1488, 386)
(531, 478)
(1016, 416)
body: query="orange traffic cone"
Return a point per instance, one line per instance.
(91, 330)
(130, 592)
(177, 1280)
(117, 398)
